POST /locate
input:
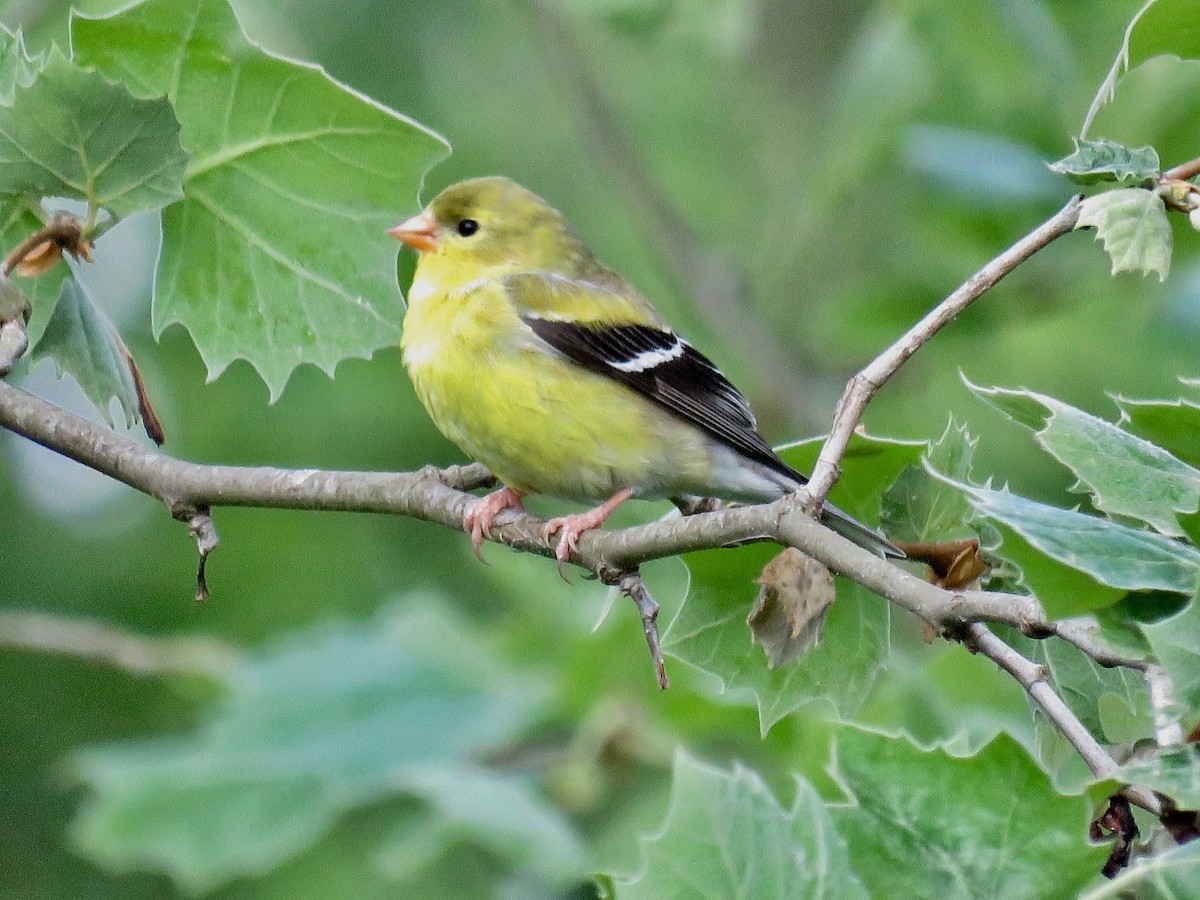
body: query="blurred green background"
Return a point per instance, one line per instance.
(794, 183)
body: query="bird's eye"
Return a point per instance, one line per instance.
(467, 227)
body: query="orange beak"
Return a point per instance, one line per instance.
(420, 232)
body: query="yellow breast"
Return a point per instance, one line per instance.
(539, 422)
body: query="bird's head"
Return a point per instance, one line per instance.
(493, 223)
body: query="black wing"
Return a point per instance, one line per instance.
(662, 366)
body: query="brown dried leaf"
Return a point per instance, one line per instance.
(40, 258)
(788, 616)
(953, 564)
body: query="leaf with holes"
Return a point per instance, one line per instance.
(277, 254)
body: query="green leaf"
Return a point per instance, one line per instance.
(1171, 424)
(1113, 554)
(1132, 223)
(710, 632)
(924, 823)
(1173, 771)
(726, 835)
(1176, 644)
(918, 507)
(85, 345)
(330, 720)
(1172, 875)
(1094, 693)
(1104, 160)
(497, 812)
(1126, 475)
(1170, 27)
(17, 68)
(1160, 27)
(73, 133)
(277, 254)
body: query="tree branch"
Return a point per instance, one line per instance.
(103, 643)
(1032, 677)
(863, 386)
(439, 496)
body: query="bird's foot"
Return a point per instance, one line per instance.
(571, 527)
(482, 512)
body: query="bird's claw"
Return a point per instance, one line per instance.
(571, 531)
(481, 514)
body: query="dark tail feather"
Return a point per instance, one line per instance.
(863, 535)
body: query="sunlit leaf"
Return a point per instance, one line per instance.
(277, 254)
(1076, 562)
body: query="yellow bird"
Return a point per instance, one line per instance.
(549, 368)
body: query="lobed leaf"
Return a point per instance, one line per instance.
(1075, 562)
(1125, 474)
(1105, 160)
(1171, 424)
(73, 133)
(919, 507)
(1132, 224)
(335, 718)
(725, 835)
(1172, 771)
(924, 823)
(1172, 875)
(1158, 28)
(17, 67)
(277, 253)
(1175, 642)
(85, 345)
(710, 633)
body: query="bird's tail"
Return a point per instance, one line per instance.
(863, 535)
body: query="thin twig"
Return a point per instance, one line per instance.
(1182, 172)
(632, 586)
(866, 384)
(1032, 678)
(104, 643)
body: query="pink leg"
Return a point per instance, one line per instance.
(482, 512)
(574, 525)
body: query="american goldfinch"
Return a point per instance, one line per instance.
(549, 368)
